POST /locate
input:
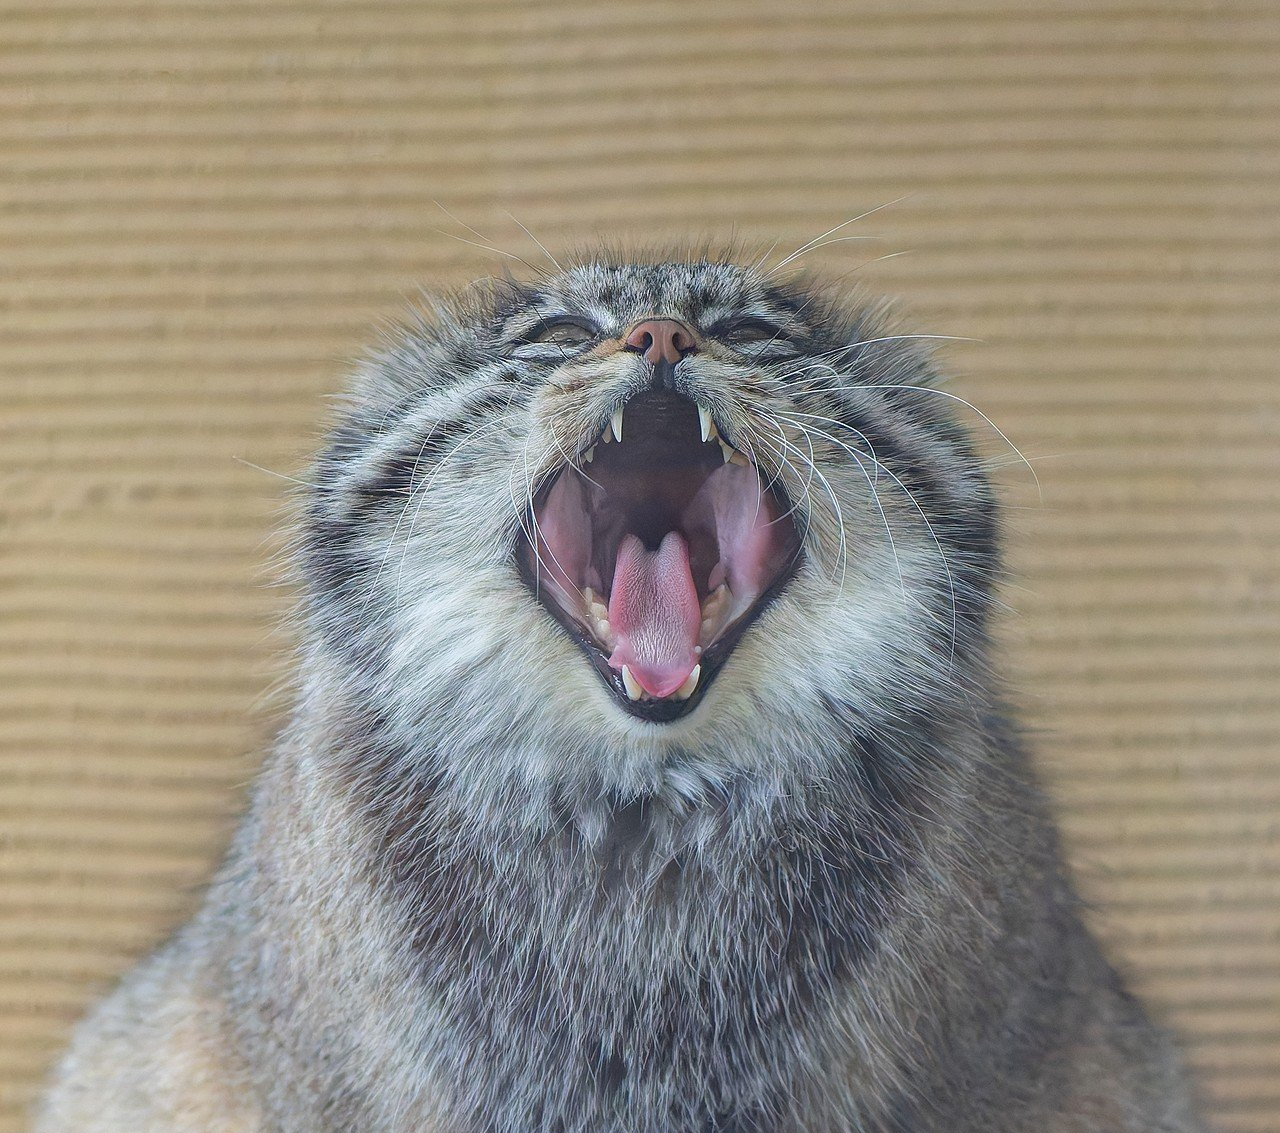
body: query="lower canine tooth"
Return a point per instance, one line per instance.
(634, 691)
(691, 682)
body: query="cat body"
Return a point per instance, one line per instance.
(649, 772)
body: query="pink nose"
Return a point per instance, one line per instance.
(661, 340)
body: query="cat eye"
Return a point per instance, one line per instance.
(563, 332)
(749, 331)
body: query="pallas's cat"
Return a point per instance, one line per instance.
(649, 770)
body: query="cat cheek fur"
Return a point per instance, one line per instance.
(480, 891)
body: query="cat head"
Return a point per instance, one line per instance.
(649, 506)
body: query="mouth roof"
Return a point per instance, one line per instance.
(657, 548)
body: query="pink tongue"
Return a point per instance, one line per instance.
(654, 614)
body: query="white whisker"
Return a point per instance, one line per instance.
(540, 272)
(536, 541)
(277, 475)
(890, 386)
(942, 555)
(800, 251)
(836, 510)
(541, 246)
(461, 223)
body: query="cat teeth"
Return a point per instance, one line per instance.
(714, 610)
(686, 690)
(612, 431)
(691, 682)
(598, 616)
(707, 424)
(710, 433)
(634, 691)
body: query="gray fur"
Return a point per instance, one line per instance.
(473, 895)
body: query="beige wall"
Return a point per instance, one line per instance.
(204, 206)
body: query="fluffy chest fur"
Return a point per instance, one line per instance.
(675, 965)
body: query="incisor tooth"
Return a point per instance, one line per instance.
(616, 422)
(708, 425)
(634, 691)
(590, 454)
(691, 682)
(726, 450)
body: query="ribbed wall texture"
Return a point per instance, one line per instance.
(205, 206)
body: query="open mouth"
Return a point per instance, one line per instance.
(656, 549)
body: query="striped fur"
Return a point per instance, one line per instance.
(474, 895)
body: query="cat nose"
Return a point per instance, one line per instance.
(661, 340)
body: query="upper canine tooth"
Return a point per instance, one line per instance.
(708, 425)
(690, 683)
(634, 691)
(616, 422)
